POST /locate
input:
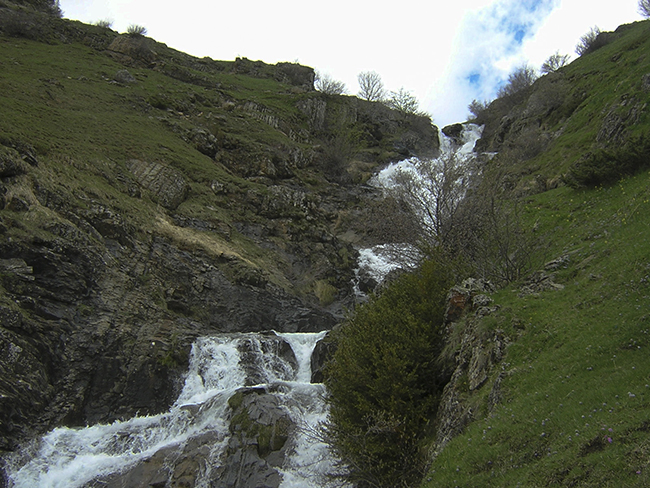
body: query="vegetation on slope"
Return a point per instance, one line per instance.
(82, 103)
(148, 197)
(386, 378)
(574, 380)
(566, 403)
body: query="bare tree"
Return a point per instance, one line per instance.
(371, 87)
(554, 63)
(434, 189)
(476, 220)
(520, 78)
(403, 101)
(588, 42)
(326, 84)
(644, 8)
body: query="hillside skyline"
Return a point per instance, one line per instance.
(445, 57)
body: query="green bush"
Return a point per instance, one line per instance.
(606, 166)
(385, 379)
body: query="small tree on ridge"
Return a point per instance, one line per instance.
(555, 62)
(326, 84)
(371, 87)
(403, 101)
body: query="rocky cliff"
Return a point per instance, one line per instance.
(148, 197)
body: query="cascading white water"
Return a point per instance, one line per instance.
(310, 461)
(379, 260)
(73, 457)
(448, 146)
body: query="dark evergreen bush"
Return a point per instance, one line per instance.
(606, 166)
(385, 379)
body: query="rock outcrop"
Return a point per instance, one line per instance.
(476, 353)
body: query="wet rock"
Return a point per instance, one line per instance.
(270, 353)
(179, 466)
(454, 131)
(366, 282)
(260, 428)
(323, 352)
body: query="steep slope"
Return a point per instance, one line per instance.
(148, 197)
(551, 385)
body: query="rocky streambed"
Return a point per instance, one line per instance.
(247, 415)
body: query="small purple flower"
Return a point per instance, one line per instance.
(609, 439)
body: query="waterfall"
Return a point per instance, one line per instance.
(376, 262)
(463, 149)
(219, 366)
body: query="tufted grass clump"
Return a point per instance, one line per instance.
(135, 30)
(104, 23)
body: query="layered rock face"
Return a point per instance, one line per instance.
(100, 332)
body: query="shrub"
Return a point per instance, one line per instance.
(135, 30)
(554, 63)
(51, 7)
(607, 166)
(329, 86)
(476, 108)
(593, 40)
(520, 78)
(385, 379)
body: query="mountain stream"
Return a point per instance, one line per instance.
(219, 367)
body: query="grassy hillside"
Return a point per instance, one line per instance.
(81, 103)
(574, 383)
(148, 197)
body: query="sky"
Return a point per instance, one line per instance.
(443, 53)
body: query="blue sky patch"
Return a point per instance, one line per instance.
(474, 78)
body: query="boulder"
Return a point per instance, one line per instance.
(124, 77)
(132, 49)
(453, 131)
(167, 184)
(323, 352)
(260, 428)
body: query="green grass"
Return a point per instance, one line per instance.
(576, 384)
(609, 80)
(577, 391)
